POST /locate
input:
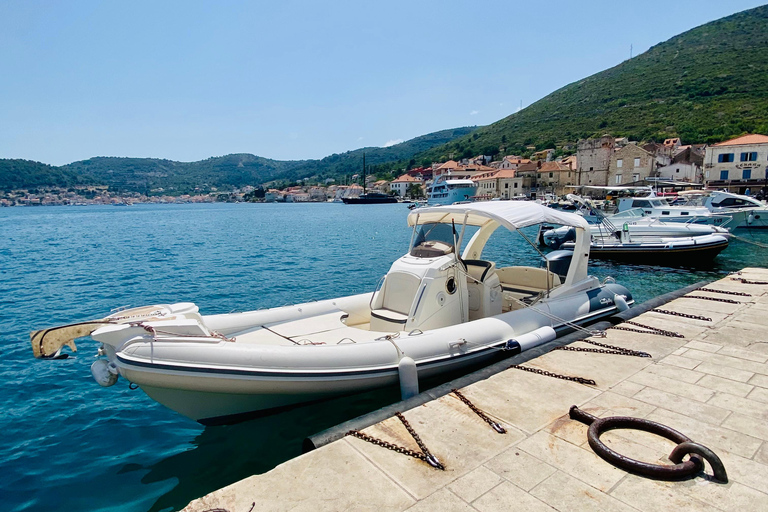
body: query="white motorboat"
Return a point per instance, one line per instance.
(434, 311)
(448, 190)
(654, 206)
(657, 250)
(634, 223)
(747, 212)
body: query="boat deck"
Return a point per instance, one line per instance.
(711, 385)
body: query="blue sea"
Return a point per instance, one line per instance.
(68, 444)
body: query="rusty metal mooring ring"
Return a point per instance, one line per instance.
(679, 471)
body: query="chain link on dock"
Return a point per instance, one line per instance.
(494, 425)
(607, 349)
(683, 315)
(424, 455)
(650, 330)
(714, 299)
(580, 380)
(726, 292)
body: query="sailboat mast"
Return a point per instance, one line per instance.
(363, 173)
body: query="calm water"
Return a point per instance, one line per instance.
(68, 444)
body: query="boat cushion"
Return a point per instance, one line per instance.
(389, 315)
(399, 290)
(479, 269)
(527, 278)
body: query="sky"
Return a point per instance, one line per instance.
(292, 80)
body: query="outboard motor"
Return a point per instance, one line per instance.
(559, 261)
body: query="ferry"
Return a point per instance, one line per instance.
(449, 190)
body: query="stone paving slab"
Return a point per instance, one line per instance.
(711, 385)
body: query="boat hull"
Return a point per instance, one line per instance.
(689, 254)
(218, 383)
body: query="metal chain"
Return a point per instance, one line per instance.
(651, 330)
(611, 349)
(684, 315)
(716, 299)
(494, 425)
(746, 281)
(424, 455)
(253, 505)
(580, 380)
(726, 292)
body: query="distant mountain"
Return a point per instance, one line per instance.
(146, 174)
(26, 174)
(705, 85)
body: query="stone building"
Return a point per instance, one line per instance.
(554, 177)
(593, 157)
(631, 164)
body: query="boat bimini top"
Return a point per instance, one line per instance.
(513, 215)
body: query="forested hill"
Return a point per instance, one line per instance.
(146, 174)
(705, 85)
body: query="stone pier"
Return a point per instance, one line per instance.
(711, 385)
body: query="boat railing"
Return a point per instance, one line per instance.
(375, 291)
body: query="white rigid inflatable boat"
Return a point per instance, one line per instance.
(434, 308)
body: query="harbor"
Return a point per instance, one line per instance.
(116, 447)
(267, 257)
(706, 377)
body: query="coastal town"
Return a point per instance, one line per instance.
(738, 165)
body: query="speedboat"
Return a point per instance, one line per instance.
(747, 212)
(439, 308)
(635, 223)
(656, 250)
(658, 207)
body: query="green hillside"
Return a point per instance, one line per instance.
(26, 174)
(705, 85)
(148, 174)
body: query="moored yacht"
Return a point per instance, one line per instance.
(448, 190)
(746, 211)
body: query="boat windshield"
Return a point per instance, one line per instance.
(633, 212)
(433, 240)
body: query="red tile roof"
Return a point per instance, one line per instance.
(745, 139)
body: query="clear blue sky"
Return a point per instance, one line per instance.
(297, 79)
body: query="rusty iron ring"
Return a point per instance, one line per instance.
(679, 471)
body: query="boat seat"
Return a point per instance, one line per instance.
(479, 269)
(524, 284)
(392, 304)
(482, 289)
(527, 279)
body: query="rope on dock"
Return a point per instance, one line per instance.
(742, 239)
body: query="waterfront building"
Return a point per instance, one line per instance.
(524, 182)
(686, 165)
(513, 162)
(630, 164)
(555, 177)
(593, 157)
(401, 184)
(737, 165)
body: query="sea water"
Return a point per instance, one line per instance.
(68, 444)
